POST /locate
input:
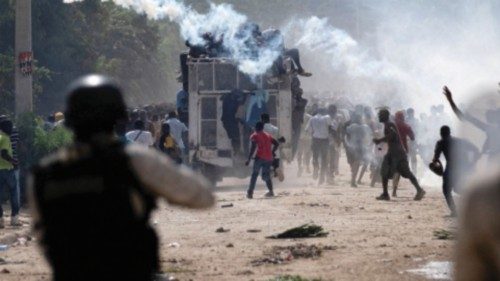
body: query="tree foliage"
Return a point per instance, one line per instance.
(87, 37)
(36, 142)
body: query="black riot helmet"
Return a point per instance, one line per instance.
(94, 105)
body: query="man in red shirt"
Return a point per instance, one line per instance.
(405, 131)
(263, 146)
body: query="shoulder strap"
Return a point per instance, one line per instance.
(139, 134)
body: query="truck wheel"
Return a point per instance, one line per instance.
(210, 173)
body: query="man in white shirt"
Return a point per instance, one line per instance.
(274, 132)
(139, 135)
(268, 127)
(177, 129)
(319, 127)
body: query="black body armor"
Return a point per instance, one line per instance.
(91, 226)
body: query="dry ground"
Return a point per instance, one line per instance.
(371, 240)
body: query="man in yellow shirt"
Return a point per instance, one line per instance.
(7, 173)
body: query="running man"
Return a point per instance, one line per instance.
(263, 146)
(396, 159)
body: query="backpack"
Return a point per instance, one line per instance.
(171, 147)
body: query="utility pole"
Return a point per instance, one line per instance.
(23, 58)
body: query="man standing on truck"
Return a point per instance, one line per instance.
(263, 146)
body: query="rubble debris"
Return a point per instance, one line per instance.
(230, 205)
(245, 272)
(164, 277)
(4, 262)
(292, 278)
(177, 261)
(331, 248)
(230, 245)
(312, 204)
(267, 260)
(173, 245)
(254, 230)
(435, 270)
(5, 271)
(303, 193)
(284, 254)
(301, 250)
(222, 230)
(303, 231)
(21, 241)
(443, 234)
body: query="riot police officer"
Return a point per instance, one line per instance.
(92, 200)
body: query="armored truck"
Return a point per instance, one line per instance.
(212, 148)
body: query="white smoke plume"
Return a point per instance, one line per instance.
(313, 35)
(335, 54)
(416, 49)
(222, 21)
(340, 49)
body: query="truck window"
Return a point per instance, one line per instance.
(209, 122)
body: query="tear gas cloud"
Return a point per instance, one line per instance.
(417, 47)
(413, 49)
(222, 21)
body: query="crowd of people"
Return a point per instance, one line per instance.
(152, 126)
(388, 147)
(168, 134)
(115, 176)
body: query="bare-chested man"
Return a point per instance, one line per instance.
(396, 159)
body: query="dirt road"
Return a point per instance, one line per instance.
(368, 239)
